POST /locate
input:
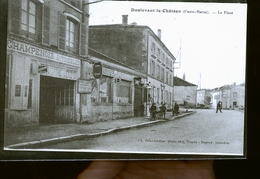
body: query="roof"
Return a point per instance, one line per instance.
(96, 54)
(180, 82)
(134, 26)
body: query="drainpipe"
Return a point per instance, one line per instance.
(85, 21)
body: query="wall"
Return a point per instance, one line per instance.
(183, 94)
(125, 44)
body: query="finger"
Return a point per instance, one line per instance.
(102, 170)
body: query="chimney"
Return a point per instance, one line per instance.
(125, 19)
(159, 33)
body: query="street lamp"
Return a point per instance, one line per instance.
(148, 101)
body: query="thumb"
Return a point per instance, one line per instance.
(102, 170)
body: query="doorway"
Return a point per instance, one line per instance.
(56, 100)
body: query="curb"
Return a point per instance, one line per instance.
(81, 136)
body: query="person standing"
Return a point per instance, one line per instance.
(153, 111)
(176, 109)
(219, 107)
(163, 110)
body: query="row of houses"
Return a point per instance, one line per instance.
(50, 66)
(187, 95)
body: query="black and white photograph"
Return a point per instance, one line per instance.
(127, 77)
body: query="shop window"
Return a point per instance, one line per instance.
(105, 91)
(124, 92)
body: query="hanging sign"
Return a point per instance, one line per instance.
(97, 70)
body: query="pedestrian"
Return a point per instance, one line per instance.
(163, 110)
(153, 111)
(219, 106)
(176, 109)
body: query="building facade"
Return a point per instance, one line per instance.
(185, 93)
(231, 96)
(46, 45)
(140, 48)
(204, 98)
(111, 96)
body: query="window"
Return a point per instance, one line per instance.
(234, 94)
(158, 53)
(162, 74)
(70, 35)
(28, 16)
(152, 68)
(153, 48)
(167, 77)
(158, 72)
(158, 95)
(162, 56)
(167, 61)
(30, 19)
(124, 92)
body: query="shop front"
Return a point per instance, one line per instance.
(40, 86)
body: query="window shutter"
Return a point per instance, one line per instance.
(83, 40)
(62, 31)
(15, 21)
(46, 25)
(20, 82)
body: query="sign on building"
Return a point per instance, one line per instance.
(97, 70)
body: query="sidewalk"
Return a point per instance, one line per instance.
(61, 132)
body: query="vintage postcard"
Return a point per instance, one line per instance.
(125, 77)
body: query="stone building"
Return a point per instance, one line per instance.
(231, 96)
(113, 95)
(46, 47)
(140, 48)
(185, 93)
(204, 98)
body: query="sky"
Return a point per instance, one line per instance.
(210, 46)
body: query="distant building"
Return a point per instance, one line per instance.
(204, 98)
(185, 93)
(138, 47)
(231, 96)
